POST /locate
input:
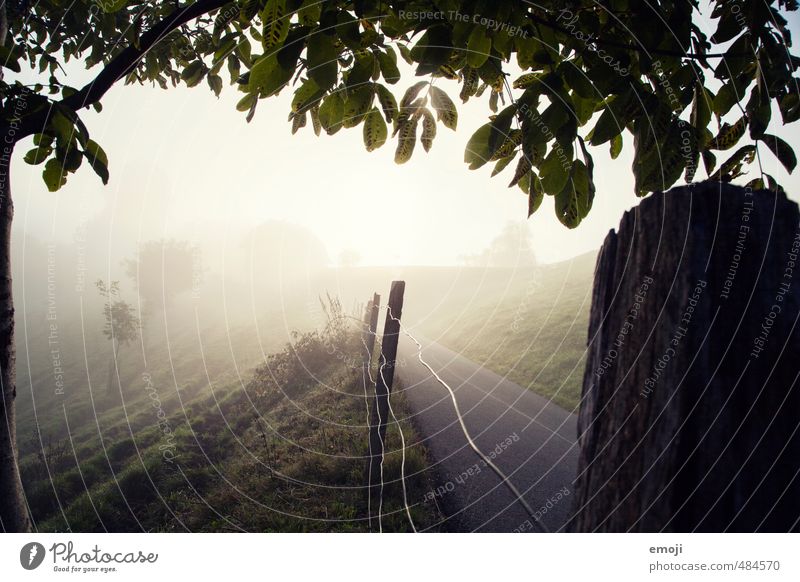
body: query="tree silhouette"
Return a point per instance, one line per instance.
(162, 270)
(121, 325)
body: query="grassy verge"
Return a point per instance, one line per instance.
(534, 333)
(285, 452)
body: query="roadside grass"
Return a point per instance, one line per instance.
(285, 451)
(535, 333)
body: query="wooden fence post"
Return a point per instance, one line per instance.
(383, 384)
(372, 323)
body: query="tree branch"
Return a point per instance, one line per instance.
(123, 63)
(638, 49)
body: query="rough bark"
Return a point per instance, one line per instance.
(691, 403)
(13, 511)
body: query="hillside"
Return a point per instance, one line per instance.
(534, 333)
(198, 438)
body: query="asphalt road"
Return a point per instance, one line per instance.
(529, 438)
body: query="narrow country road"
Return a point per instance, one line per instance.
(529, 438)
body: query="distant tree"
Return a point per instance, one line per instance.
(162, 270)
(279, 253)
(349, 258)
(121, 325)
(642, 68)
(511, 248)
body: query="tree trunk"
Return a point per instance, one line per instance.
(13, 512)
(691, 403)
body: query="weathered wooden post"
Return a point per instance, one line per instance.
(383, 384)
(691, 400)
(373, 310)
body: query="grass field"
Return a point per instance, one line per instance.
(211, 427)
(534, 332)
(185, 445)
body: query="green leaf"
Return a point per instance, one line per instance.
(729, 135)
(276, 24)
(607, 127)
(445, 108)
(760, 114)
(554, 172)
(321, 60)
(479, 47)
(577, 79)
(531, 185)
(9, 57)
(54, 175)
(502, 164)
(309, 12)
(268, 76)
(63, 127)
(388, 103)
(358, 103)
(193, 73)
(246, 102)
(331, 113)
(215, 82)
(411, 94)
(501, 128)
(433, 49)
(307, 95)
(428, 129)
(732, 168)
(782, 150)
(574, 201)
(709, 161)
(405, 52)
(110, 6)
(701, 106)
(97, 159)
(375, 130)
(616, 146)
(388, 64)
(477, 151)
(790, 107)
(406, 141)
(725, 99)
(38, 155)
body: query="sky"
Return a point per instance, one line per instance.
(185, 164)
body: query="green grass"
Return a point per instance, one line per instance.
(304, 469)
(534, 332)
(285, 451)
